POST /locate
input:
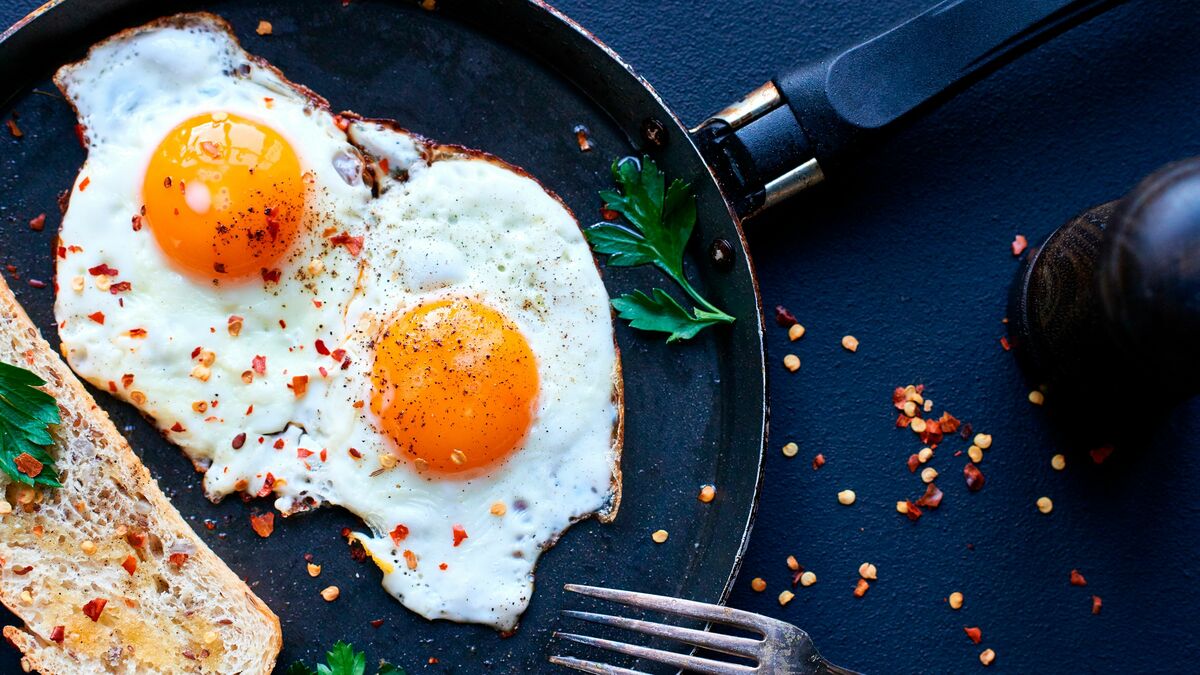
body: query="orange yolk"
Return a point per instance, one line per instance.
(455, 386)
(224, 196)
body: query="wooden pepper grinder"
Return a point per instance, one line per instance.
(1107, 309)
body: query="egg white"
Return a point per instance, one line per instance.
(438, 223)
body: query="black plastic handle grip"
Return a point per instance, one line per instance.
(841, 101)
(796, 130)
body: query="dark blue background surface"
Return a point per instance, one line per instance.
(910, 254)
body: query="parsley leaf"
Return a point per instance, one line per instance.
(25, 413)
(342, 660)
(663, 314)
(661, 219)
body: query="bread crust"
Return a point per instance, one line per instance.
(176, 613)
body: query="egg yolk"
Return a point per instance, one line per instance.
(455, 387)
(224, 196)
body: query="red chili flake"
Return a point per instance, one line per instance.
(263, 524)
(58, 634)
(299, 385)
(62, 251)
(130, 564)
(913, 462)
(354, 245)
(28, 464)
(93, 608)
(271, 276)
(903, 421)
(137, 332)
(268, 485)
(974, 633)
(338, 354)
(136, 221)
(278, 444)
(239, 441)
(196, 351)
(932, 497)
(38, 223)
(1096, 604)
(784, 318)
(899, 397)
(1101, 453)
(376, 623)
(933, 433)
(608, 214)
(22, 571)
(178, 559)
(14, 129)
(259, 364)
(383, 165)
(282, 323)
(321, 348)
(136, 538)
(324, 455)
(177, 427)
(974, 476)
(37, 283)
(357, 552)
(1004, 343)
(861, 589)
(948, 423)
(102, 269)
(84, 183)
(341, 122)
(79, 135)
(303, 453)
(796, 576)
(818, 461)
(459, 534)
(98, 317)
(211, 149)
(1077, 579)
(913, 512)
(443, 566)
(120, 287)
(324, 373)
(399, 534)
(1018, 244)
(967, 431)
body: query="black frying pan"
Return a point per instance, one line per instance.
(514, 77)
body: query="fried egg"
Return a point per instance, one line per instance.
(331, 310)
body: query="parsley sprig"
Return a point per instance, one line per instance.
(342, 660)
(660, 221)
(25, 414)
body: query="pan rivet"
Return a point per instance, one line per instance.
(721, 254)
(654, 132)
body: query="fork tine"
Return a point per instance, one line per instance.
(685, 661)
(678, 606)
(729, 644)
(592, 666)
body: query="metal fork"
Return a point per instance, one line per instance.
(783, 649)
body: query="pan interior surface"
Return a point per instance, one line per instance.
(695, 412)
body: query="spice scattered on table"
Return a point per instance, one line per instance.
(785, 318)
(791, 362)
(264, 28)
(955, 600)
(1019, 244)
(1101, 453)
(1036, 397)
(790, 449)
(818, 461)
(1096, 604)
(1058, 462)
(758, 584)
(850, 343)
(659, 536)
(987, 656)
(707, 493)
(974, 633)
(792, 563)
(868, 571)
(785, 597)
(860, 589)
(808, 578)
(795, 332)
(1077, 579)
(1045, 505)
(846, 497)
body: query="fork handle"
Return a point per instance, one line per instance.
(824, 667)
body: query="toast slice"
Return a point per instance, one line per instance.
(181, 610)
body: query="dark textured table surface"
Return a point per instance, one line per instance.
(911, 255)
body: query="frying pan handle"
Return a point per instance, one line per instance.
(789, 133)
